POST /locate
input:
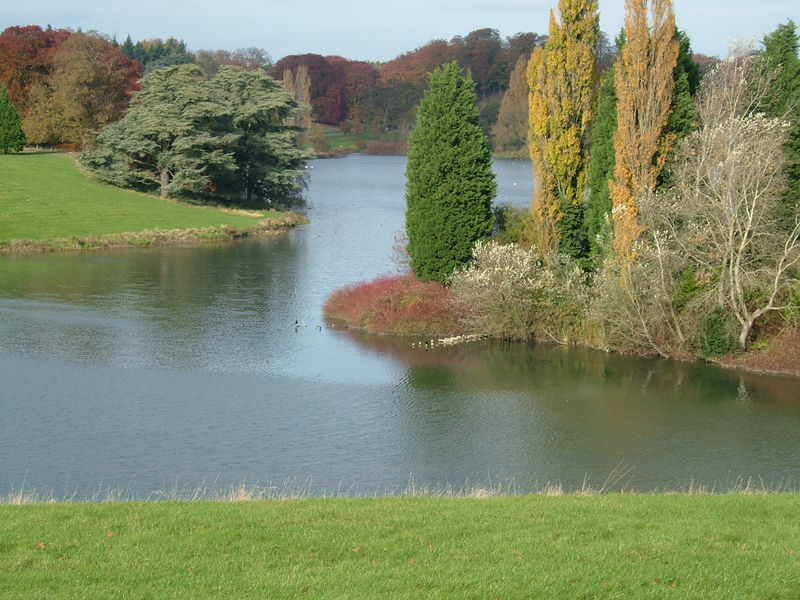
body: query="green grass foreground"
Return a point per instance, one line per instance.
(609, 546)
(47, 203)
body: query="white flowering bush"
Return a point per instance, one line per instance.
(511, 292)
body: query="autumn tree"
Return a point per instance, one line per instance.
(12, 138)
(414, 66)
(482, 54)
(704, 62)
(323, 77)
(521, 45)
(328, 84)
(644, 79)
(26, 57)
(510, 133)
(449, 180)
(682, 121)
(88, 87)
(562, 82)
(302, 86)
(359, 78)
(488, 57)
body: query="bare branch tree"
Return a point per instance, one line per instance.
(722, 210)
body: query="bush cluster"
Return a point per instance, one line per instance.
(397, 304)
(511, 292)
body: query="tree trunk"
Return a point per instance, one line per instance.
(164, 176)
(745, 333)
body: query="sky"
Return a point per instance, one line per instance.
(374, 30)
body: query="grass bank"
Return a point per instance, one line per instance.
(47, 203)
(611, 546)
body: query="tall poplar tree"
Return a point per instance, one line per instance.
(562, 80)
(12, 138)
(644, 77)
(449, 180)
(682, 121)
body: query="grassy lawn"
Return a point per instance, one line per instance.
(349, 141)
(343, 141)
(43, 196)
(608, 546)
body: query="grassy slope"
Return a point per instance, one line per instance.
(44, 196)
(611, 546)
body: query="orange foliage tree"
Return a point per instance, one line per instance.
(644, 86)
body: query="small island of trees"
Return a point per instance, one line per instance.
(665, 217)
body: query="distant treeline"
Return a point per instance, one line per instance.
(67, 85)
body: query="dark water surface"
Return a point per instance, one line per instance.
(151, 369)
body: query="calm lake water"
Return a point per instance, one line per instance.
(155, 369)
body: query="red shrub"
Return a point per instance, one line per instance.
(399, 304)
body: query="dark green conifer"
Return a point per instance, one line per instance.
(780, 54)
(601, 165)
(686, 62)
(682, 117)
(128, 49)
(12, 138)
(449, 180)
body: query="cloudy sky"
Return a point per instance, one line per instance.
(370, 29)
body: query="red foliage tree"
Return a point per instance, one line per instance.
(26, 57)
(414, 66)
(359, 78)
(328, 84)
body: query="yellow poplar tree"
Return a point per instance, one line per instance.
(644, 85)
(562, 78)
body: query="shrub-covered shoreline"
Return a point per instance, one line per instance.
(403, 305)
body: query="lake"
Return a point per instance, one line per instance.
(158, 369)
